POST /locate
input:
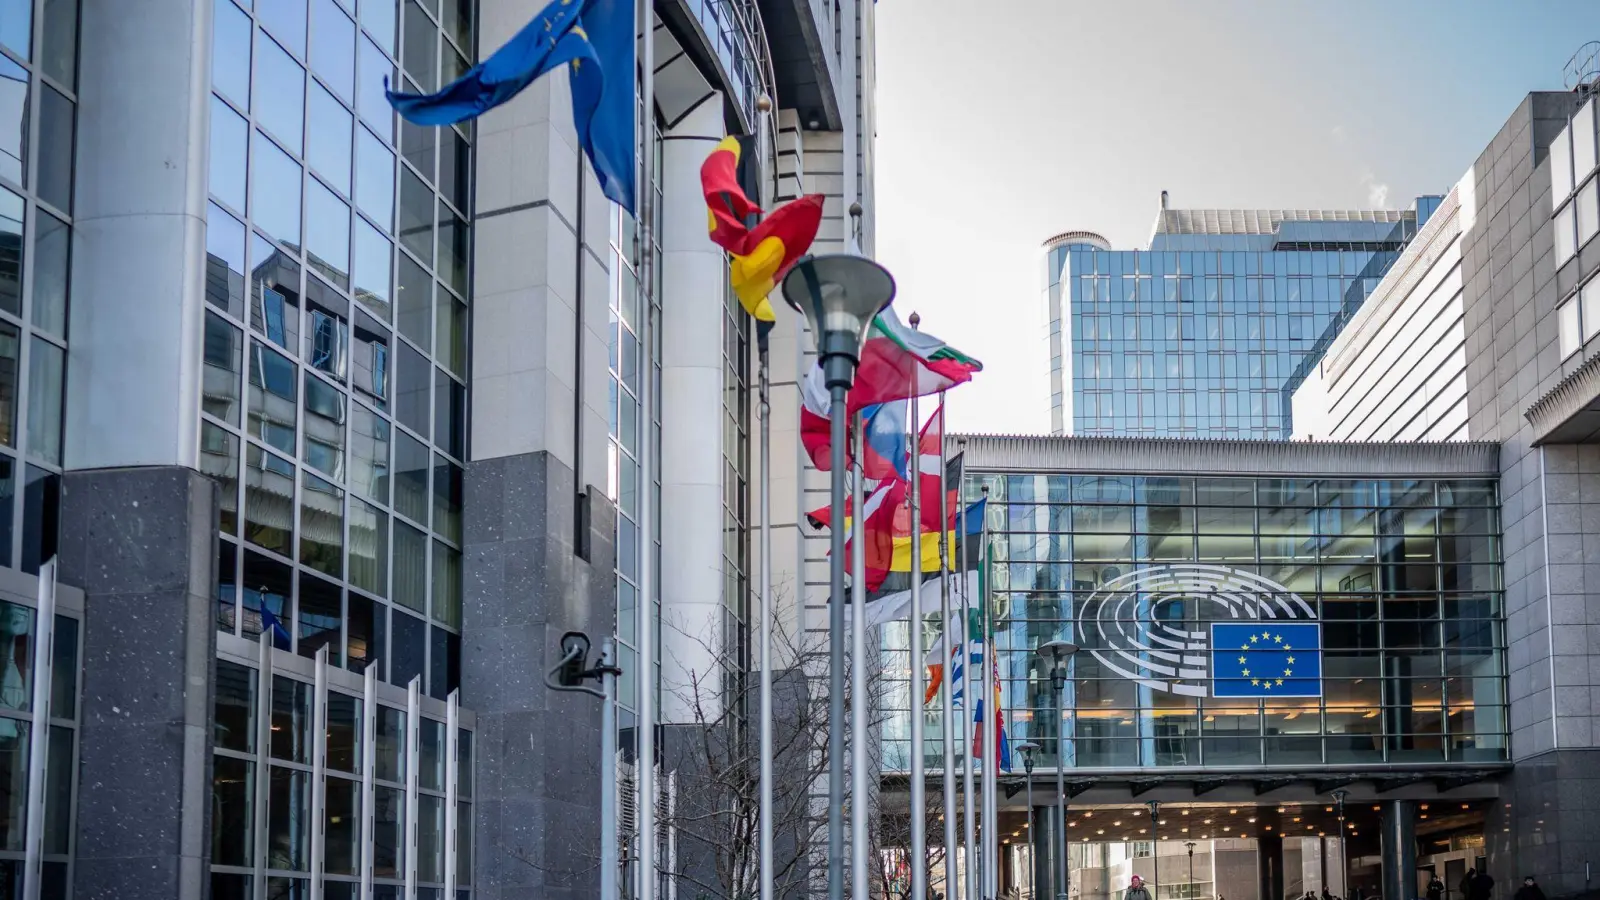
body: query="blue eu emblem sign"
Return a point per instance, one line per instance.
(1263, 658)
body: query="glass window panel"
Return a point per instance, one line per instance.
(286, 19)
(452, 65)
(388, 838)
(372, 68)
(11, 268)
(288, 815)
(365, 625)
(322, 526)
(344, 732)
(267, 586)
(16, 26)
(232, 886)
(430, 838)
(47, 365)
(464, 764)
(1565, 239)
(371, 361)
(1583, 146)
(1588, 213)
(328, 143)
(320, 614)
(13, 118)
(447, 494)
(58, 42)
(16, 635)
(411, 478)
(280, 109)
(58, 797)
(64, 670)
(453, 258)
(450, 415)
(41, 518)
(421, 48)
(274, 294)
(341, 828)
(219, 458)
(13, 782)
(446, 585)
(410, 640)
(275, 191)
(1568, 331)
(327, 335)
(430, 755)
(228, 137)
(455, 170)
(390, 753)
(333, 47)
(455, 17)
(415, 303)
(232, 811)
(291, 720)
(417, 144)
(327, 234)
(56, 125)
(230, 52)
(51, 263)
(374, 267)
(1589, 308)
(272, 397)
(369, 454)
(410, 583)
(411, 403)
(268, 501)
(375, 178)
(378, 18)
(234, 716)
(10, 347)
(416, 216)
(369, 549)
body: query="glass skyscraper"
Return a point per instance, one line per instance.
(1198, 336)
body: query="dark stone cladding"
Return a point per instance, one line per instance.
(141, 543)
(536, 826)
(1547, 823)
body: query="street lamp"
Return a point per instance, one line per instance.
(1344, 842)
(1028, 749)
(1190, 845)
(839, 294)
(1057, 653)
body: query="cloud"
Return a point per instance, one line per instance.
(1377, 191)
(1338, 132)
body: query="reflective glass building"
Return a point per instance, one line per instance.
(1197, 336)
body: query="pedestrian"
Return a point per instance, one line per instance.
(1530, 890)
(1326, 895)
(1482, 886)
(1435, 887)
(1136, 890)
(1468, 884)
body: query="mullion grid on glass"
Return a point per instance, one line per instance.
(312, 179)
(1331, 497)
(23, 456)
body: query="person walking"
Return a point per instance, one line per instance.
(1530, 890)
(1469, 884)
(1435, 888)
(1136, 890)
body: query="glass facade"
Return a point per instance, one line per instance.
(334, 396)
(38, 121)
(311, 774)
(736, 517)
(1199, 336)
(1401, 580)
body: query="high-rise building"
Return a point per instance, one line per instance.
(334, 425)
(1197, 336)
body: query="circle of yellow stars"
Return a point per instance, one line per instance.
(1271, 642)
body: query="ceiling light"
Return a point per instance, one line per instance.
(1118, 822)
(1252, 820)
(1281, 809)
(1233, 812)
(1297, 818)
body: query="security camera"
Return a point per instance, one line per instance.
(574, 658)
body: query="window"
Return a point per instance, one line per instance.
(1583, 142)
(1565, 236)
(1561, 168)
(1588, 211)
(1590, 309)
(1568, 329)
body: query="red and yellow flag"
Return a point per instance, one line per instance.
(761, 253)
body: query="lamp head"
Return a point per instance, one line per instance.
(1057, 651)
(1027, 749)
(838, 293)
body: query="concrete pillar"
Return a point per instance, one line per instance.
(1399, 850)
(1269, 867)
(694, 274)
(539, 554)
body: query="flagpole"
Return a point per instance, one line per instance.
(970, 692)
(858, 678)
(991, 758)
(766, 630)
(919, 786)
(645, 761)
(947, 731)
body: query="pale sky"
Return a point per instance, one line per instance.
(1003, 122)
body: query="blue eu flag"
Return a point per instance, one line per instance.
(596, 39)
(1263, 658)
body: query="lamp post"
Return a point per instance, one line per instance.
(838, 293)
(1344, 842)
(1190, 845)
(1057, 653)
(1028, 749)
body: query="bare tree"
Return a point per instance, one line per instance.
(894, 859)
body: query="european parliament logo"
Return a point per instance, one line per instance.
(1273, 659)
(1257, 638)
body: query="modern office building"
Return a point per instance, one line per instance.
(1197, 336)
(1505, 291)
(333, 425)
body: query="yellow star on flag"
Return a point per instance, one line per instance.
(1266, 636)
(1280, 681)
(1255, 682)
(1287, 647)
(1268, 684)
(1288, 673)
(1253, 639)
(1291, 660)
(1241, 660)
(1246, 673)
(1278, 638)
(1244, 646)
